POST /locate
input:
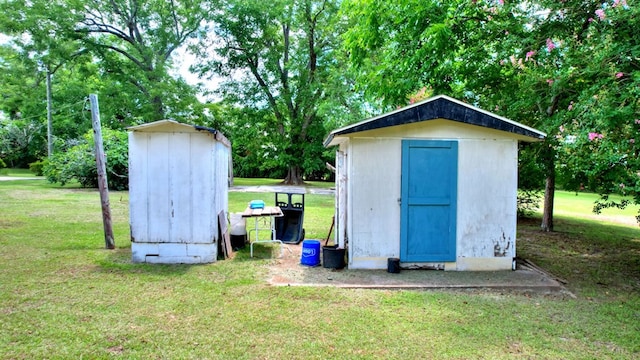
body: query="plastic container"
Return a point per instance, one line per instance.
(238, 224)
(256, 204)
(333, 257)
(393, 265)
(310, 253)
(238, 231)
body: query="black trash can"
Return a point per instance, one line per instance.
(289, 226)
(393, 265)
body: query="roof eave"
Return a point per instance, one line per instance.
(421, 111)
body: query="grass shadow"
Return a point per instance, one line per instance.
(119, 261)
(261, 251)
(594, 258)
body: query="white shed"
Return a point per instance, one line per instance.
(178, 184)
(433, 184)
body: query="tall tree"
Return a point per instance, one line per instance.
(133, 40)
(521, 59)
(598, 134)
(277, 57)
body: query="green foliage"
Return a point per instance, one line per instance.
(120, 50)
(569, 68)
(528, 202)
(531, 174)
(21, 142)
(131, 42)
(599, 151)
(36, 167)
(2, 164)
(285, 52)
(78, 162)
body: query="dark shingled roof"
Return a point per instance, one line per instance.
(439, 107)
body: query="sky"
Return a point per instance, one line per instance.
(4, 38)
(182, 60)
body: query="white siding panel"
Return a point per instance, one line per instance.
(140, 251)
(180, 216)
(175, 260)
(203, 199)
(487, 190)
(207, 252)
(222, 154)
(374, 192)
(138, 187)
(158, 210)
(172, 250)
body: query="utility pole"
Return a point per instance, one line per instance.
(102, 172)
(49, 120)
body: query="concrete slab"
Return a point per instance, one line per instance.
(287, 271)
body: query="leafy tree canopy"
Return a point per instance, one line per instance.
(568, 67)
(278, 58)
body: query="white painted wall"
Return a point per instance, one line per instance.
(486, 214)
(177, 186)
(340, 218)
(487, 186)
(373, 190)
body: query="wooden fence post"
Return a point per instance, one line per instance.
(102, 172)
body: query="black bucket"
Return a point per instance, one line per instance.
(238, 241)
(393, 265)
(333, 257)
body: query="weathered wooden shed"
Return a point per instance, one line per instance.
(433, 184)
(178, 184)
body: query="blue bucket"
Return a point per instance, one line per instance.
(310, 253)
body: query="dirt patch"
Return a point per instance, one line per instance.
(6, 224)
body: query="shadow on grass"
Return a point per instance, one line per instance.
(594, 258)
(262, 251)
(119, 261)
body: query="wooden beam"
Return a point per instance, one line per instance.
(102, 172)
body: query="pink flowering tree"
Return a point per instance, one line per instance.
(605, 157)
(550, 64)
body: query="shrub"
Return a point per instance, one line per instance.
(528, 202)
(36, 167)
(78, 161)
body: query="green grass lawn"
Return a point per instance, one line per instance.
(580, 205)
(16, 172)
(63, 296)
(272, 182)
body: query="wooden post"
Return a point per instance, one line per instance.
(102, 172)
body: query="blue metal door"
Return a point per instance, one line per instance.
(428, 204)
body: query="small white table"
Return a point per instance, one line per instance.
(272, 212)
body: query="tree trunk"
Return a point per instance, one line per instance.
(549, 194)
(294, 176)
(158, 107)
